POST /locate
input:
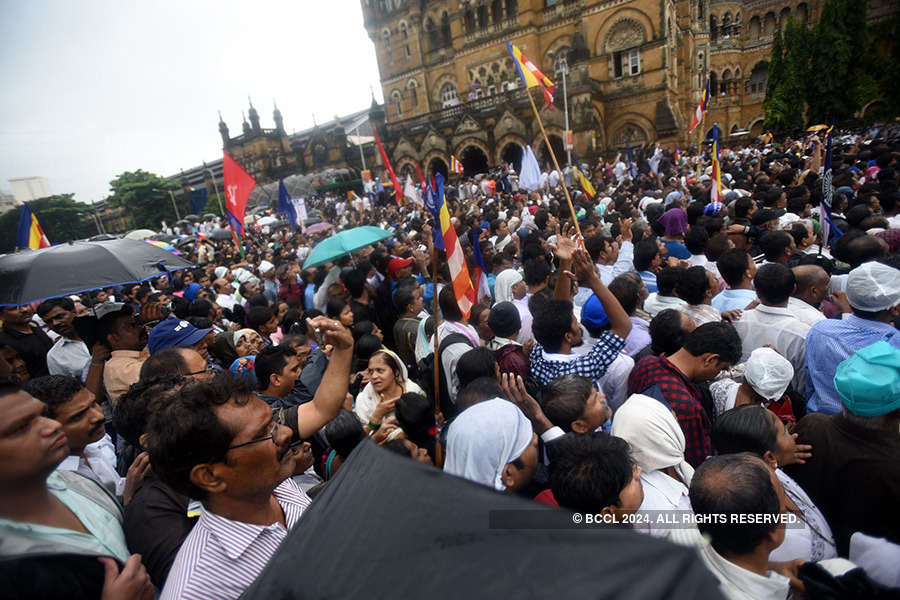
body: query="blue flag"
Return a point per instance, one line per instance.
(434, 199)
(285, 206)
(827, 194)
(198, 200)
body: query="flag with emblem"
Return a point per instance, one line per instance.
(530, 74)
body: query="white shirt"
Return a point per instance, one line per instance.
(779, 327)
(69, 357)
(614, 383)
(655, 304)
(805, 312)
(661, 493)
(99, 464)
(623, 264)
(814, 541)
(226, 301)
(737, 583)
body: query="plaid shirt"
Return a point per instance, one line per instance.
(655, 376)
(592, 365)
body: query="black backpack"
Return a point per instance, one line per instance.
(426, 374)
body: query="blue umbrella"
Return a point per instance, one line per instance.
(344, 243)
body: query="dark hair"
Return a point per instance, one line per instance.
(403, 297)
(167, 360)
(717, 246)
(415, 415)
(187, 431)
(200, 308)
(343, 433)
(715, 338)
(334, 307)
(595, 245)
(627, 290)
(742, 206)
(355, 280)
(552, 321)
(732, 265)
(53, 390)
(667, 280)
(774, 243)
(448, 305)
(390, 361)
(536, 271)
(475, 363)
(588, 472)
(863, 249)
(133, 409)
(271, 361)
(479, 390)
(46, 306)
(693, 285)
(774, 283)
(666, 332)
(695, 240)
(259, 316)
(746, 428)
(565, 398)
(644, 253)
(365, 347)
(734, 484)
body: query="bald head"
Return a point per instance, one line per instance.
(812, 284)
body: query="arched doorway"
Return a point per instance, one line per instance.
(512, 153)
(437, 165)
(558, 149)
(474, 160)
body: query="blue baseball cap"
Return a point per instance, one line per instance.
(592, 314)
(174, 333)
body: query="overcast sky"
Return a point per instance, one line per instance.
(93, 88)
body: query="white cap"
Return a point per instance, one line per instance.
(265, 266)
(873, 287)
(768, 373)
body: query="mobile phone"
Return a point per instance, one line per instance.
(317, 333)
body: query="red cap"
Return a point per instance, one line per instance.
(396, 264)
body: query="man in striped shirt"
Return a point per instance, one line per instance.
(222, 444)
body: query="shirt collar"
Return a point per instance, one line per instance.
(775, 310)
(670, 488)
(70, 463)
(852, 319)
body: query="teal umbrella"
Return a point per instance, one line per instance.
(343, 243)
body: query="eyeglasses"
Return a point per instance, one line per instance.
(207, 370)
(277, 419)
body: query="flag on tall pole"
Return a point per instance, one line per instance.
(715, 190)
(285, 205)
(530, 171)
(586, 185)
(421, 178)
(530, 74)
(409, 190)
(483, 290)
(398, 191)
(701, 108)
(29, 234)
(445, 239)
(300, 210)
(238, 185)
(455, 165)
(827, 195)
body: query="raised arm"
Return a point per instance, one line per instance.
(332, 390)
(619, 322)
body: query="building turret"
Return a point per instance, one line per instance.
(254, 116)
(276, 115)
(223, 129)
(245, 124)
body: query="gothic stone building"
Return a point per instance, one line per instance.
(635, 69)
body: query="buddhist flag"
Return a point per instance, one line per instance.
(409, 190)
(238, 185)
(446, 239)
(677, 156)
(586, 185)
(701, 108)
(715, 190)
(398, 191)
(480, 280)
(455, 165)
(530, 74)
(30, 234)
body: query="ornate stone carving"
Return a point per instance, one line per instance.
(627, 33)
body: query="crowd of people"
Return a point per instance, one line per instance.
(660, 352)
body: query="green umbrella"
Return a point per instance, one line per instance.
(344, 243)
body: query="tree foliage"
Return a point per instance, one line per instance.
(146, 198)
(62, 218)
(788, 78)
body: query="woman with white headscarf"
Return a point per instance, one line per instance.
(767, 376)
(657, 446)
(492, 443)
(388, 380)
(510, 287)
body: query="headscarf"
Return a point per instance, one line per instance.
(367, 400)
(675, 221)
(768, 373)
(654, 435)
(191, 290)
(484, 438)
(504, 284)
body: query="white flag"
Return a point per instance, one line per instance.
(409, 190)
(300, 209)
(530, 178)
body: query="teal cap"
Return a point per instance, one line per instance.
(869, 381)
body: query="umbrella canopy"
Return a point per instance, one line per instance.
(102, 237)
(220, 234)
(164, 245)
(389, 526)
(139, 234)
(319, 227)
(182, 223)
(344, 243)
(210, 217)
(183, 241)
(267, 220)
(191, 218)
(163, 237)
(33, 275)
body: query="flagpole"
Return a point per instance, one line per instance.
(555, 164)
(437, 365)
(216, 188)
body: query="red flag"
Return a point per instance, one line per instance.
(238, 185)
(421, 179)
(398, 191)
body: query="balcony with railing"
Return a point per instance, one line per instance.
(562, 9)
(476, 36)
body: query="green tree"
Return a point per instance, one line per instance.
(839, 46)
(62, 218)
(146, 198)
(789, 76)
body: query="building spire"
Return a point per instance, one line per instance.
(276, 116)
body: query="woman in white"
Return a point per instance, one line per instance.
(752, 428)
(767, 376)
(388, 380)
(657, 445)
(510, 287)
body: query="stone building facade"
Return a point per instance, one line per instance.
(635, 71)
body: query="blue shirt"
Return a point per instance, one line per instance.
(831, 341)
(732, 300)
(649, 280)
(309, 296)
(676, 249)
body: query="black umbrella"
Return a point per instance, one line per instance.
(182, 222)
(33, 275)
(102, 237)
(163, 237)
(387, 526)
(220, 234)
(191, 218)
(210, 216)
(186, 240)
